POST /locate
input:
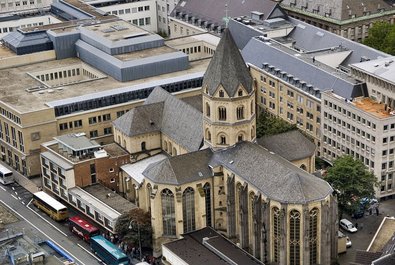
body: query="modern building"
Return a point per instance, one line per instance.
(191, 17)
(363, 126)
(79, 77)
(164, 9)
(350, 19)
(273, 209)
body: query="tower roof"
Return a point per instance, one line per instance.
(227, 68)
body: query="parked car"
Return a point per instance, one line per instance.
(348, 226)
(349, 243)
(359, 213)
(367, 201)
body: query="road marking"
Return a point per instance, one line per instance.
(2, 188)
(23, 203)
(13, 188)
(29, 202)
(19, 198)
(90, 253)
(60, 231)
(41, 231)
(13, 196)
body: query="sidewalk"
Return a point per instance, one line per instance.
(29, 184)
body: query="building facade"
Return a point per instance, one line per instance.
(351, 20)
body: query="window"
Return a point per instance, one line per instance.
(168, 213)
(107, 130)
(63, 126)
(240, 137)
(294, 237)
(147, 21)
(222, 113)
(107, 117)
(276, 222)
(92, 120)
(221, 94)
(78, 124)
(143, 146)
(120, 113)
(207, 109)
(313, 236)
(188, 209)
(222, 139)
(207, 197)
(93, 134)
(240, 113)
(240, 93)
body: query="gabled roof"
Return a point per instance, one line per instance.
(181, 169)
(227, 68)
(142, 119)
(292, 145)
(165, 113)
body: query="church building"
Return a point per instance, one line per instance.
(218, 176)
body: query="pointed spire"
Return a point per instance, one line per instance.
(227, 68)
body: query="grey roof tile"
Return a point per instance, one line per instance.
(291, 145)
(168, 114)
(227, 68)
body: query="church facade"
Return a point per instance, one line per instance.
(219, 177)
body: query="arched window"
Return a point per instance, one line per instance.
(222, 139)
(303, 166)
(207, 199)
(124, 143)
(252, 107)
(207, 109)
(252, 132)
(165, 145)
(206, 90)
(240, 113)
(240, 93)
(221, 94)
(168, 213)
(174, 151)
(240, 137)
(119, 139)
(143, 146)
(294, 237)
(222, 113)
(170, 148)
(313, 236)
(276, 222)
(188, 209)
(208, 135)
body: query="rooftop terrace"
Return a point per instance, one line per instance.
(372, 107)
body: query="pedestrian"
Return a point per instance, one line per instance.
(356, 225)
(377, 211)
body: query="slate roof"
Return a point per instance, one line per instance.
(165, 113)
(180, 169)
(140, 120)
(274, 176)
(227, 68)
(257, 52)
(365, 257)
(292, 145)
(214, 11)
(383, 68)
(388, 259)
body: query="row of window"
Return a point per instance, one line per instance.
(192, 50)
(100, 118)
(13, 160)
(59, 75)
(141, 21)
(222, 112)
(350, 115)
(18, 3)
(130, 10)
(5, 133)
(11, 29)
(95, 133)
(9, 115)
(70, 125)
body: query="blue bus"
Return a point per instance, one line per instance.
(108, 252)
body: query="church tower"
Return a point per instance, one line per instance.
(228, 97)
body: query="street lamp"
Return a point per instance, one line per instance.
(138, 231)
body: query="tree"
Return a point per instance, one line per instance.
(129, 233)
(382, 37)
(352, 181)
(269, 125)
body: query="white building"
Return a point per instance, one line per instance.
(364, 127)
(164, 9)
(24, 6)
(140, 13)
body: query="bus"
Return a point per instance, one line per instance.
(108, 252)
(49, 205)
(6, 176)
(82, 228)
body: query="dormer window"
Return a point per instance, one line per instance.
(221, 93)
(240, 93)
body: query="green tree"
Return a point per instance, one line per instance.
(129, 223)
(270, 125)
(382, 37)
(352, 180)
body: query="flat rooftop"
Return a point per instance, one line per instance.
(15, 94)
(114, 150)
(116, 30)
(372, 107)
(145, 53)
(205, 37)
(77, 141)
(383, 235)
(383, 68)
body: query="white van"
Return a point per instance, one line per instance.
(348, 226)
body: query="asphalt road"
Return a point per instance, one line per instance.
(17, 199)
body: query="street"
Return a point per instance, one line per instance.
(367, 227)
(17, 199)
